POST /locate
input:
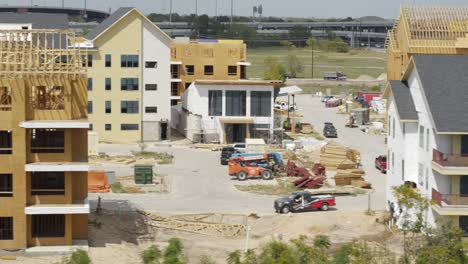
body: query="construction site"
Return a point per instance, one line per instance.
(277, 164)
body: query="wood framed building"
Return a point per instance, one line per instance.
(425, 30)
(43, 139)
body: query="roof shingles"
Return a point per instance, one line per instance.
(403, 100)
(108, 22)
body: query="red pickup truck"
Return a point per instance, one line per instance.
(381, 163)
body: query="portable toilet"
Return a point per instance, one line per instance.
(143, 174)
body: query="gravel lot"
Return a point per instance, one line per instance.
(201, 185)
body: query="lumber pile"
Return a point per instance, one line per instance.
(335, 156)
(307, 128)
(353, 177)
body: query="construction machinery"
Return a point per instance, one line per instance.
(250, 166)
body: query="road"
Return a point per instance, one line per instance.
(201, 185)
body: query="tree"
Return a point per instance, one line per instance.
(294, 65)
(277, 252)
(312, 43)
(234, 257)
(274, 70)
(151, 255)
(173, 252)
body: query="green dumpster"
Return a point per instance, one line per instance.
(143, 174)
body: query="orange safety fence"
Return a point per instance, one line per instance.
(97, 182)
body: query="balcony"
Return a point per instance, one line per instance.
(450, 204)
(449, 164)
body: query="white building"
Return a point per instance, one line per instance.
(428, 135)
(226, 111)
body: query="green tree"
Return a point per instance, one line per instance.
(276, 252)
(78, 257)
(206, 260)
(294, 66)
(312, 43)
(151, 255)
(341, 46)
(173, 252)
(274, 70)
(234, 257)
(250, 257)
(299, 33)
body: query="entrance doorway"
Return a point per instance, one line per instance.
(235, 133)
(163, 131)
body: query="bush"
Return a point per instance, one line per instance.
(117, 187)
(206, 260)
(78, 257)
(151, 255)
(173, 252)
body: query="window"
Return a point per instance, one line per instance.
(174, 89)
(129, 107)
(209, 69)
(90, 127)
(129, 127)
(151, 87)
(90, 60)
(420, 174)
(151, 109)
(48, 97)
(389, 125)
(6, 228)
(129, 61)
(393, 161)
(174, 102)
(48, 225)
(47, 183)
(47, 141)
(90, 107)
(6, 185)
(215, 103)
(6, 142)
(404, 129)
(5, 98)
(260, 103)
(129, 84)
(151, 64)
(108, 60)
(232, 70)
(403, 170)
(235, 103)
(108, 84)
(427, 139)
(421, 137)
(108, 107)
(393, 128)
(90, 84)
(427, 179)
(463, 224)
(108, 127)
(190, 69)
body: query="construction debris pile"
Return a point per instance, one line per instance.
(338, 157)
(308, 180)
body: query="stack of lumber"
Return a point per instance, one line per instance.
(307, 128)
(353, 177)
(335, 156)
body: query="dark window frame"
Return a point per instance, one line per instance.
(108, 107)
(47, 140)
(207, 71)
(260, 103)
(151, 109)
(190, 69)
(129, 61)
(6, 228)
(108, 127)
(48, 225)
(151, 87)
(47, 183)
(129, 84)
(151, 64)
(129, 127)
(90, 60)
(230, 72)
(108, 60)
(90, 84)
(108, 84)
(215, 103)
(129, 107)
(231, 100)
(6, 142)
(90, 107)
(6, 185)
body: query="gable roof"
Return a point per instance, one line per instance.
(38, 20)
(445, 87)
(403, 100)
(114, 18)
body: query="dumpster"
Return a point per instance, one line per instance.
(143, 174)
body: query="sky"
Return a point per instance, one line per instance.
(280, 8)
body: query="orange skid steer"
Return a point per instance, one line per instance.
(251, 166)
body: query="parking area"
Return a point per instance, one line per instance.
(199, 184)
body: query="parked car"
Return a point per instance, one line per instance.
(381, 163)
(329, 131)
(239, 147)
(284, 106)
(326, 98)
(226, 154)
(303, 201)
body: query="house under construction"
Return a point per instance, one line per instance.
(43, 139)
(425, 30)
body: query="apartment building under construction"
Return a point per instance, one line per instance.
(43, 139)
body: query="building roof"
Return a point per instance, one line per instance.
(38, 20)
(403, 100)
(114, 18)
(445, 86)
(239, 82)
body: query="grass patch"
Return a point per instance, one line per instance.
(117, 187)
(284, 187)
(163, 157)
(355, 63)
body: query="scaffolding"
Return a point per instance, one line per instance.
(40, 52)
(425, 30)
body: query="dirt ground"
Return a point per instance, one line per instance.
(120, 238)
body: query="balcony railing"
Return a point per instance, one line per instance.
(449, 199)
(449, 160)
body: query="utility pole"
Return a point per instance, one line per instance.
(170, 12)
(232, 12)
(63, 3)
(216, 10)
(31, 3)
(196, 7)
